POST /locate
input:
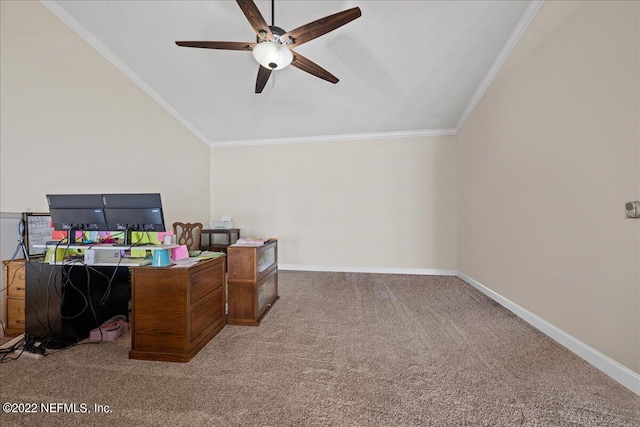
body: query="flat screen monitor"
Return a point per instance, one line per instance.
(133, 212)
(77, 212)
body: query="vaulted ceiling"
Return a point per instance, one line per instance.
(405, 67)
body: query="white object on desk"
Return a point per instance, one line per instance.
(186, 262)
(94, 257)
(169, 239)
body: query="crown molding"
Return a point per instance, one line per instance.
(512, 41)
(331, 138)
(93, 41)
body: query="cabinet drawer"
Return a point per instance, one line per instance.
(15, 279)
(206, 281)
(15, 313)
(16, 288)
(206, 316)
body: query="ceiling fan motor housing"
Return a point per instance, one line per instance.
(276, 31)
(272, 54)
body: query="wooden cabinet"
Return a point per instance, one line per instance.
(15, 285)
(252, 282)
(176, 310)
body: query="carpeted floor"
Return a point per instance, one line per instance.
(338, 349)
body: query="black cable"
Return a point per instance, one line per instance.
(69, 282)
(5, 352)
(95, 317)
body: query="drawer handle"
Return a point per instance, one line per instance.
(20, 322)
(20, 289)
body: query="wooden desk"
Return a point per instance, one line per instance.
(176, 310)
(230, 236)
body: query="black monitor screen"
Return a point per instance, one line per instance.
(79, 219)
(137, 212)
(82, 212)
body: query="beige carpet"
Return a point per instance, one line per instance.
(338, 349)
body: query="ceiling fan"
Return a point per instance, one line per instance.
(273, 48)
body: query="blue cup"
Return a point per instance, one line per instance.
(161, 258)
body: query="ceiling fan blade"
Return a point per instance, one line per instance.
(310, 67)
(219, 45)
(322, 26)
(263, 76)
(256, 19)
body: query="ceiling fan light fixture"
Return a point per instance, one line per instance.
(272, 55)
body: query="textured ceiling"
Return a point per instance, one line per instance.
(405, 67)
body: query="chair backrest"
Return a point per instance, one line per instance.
(188, 234)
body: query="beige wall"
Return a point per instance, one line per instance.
(546, 162)
(362, 204)
(71, 122)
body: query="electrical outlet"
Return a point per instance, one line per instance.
(632, 209)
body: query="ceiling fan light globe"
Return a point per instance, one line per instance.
(272, 55)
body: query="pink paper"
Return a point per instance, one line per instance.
(180, 252)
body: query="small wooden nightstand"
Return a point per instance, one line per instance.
(228, 237)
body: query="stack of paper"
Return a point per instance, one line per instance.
(252, 241)
(209, 254)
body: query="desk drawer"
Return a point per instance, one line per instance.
(16, 289)
(206, 281)
(15, 279)
(206, 316)
(15, 313)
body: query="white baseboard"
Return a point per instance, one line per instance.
(379, 270)
(615, 370)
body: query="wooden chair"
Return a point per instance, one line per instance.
(188, 234)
